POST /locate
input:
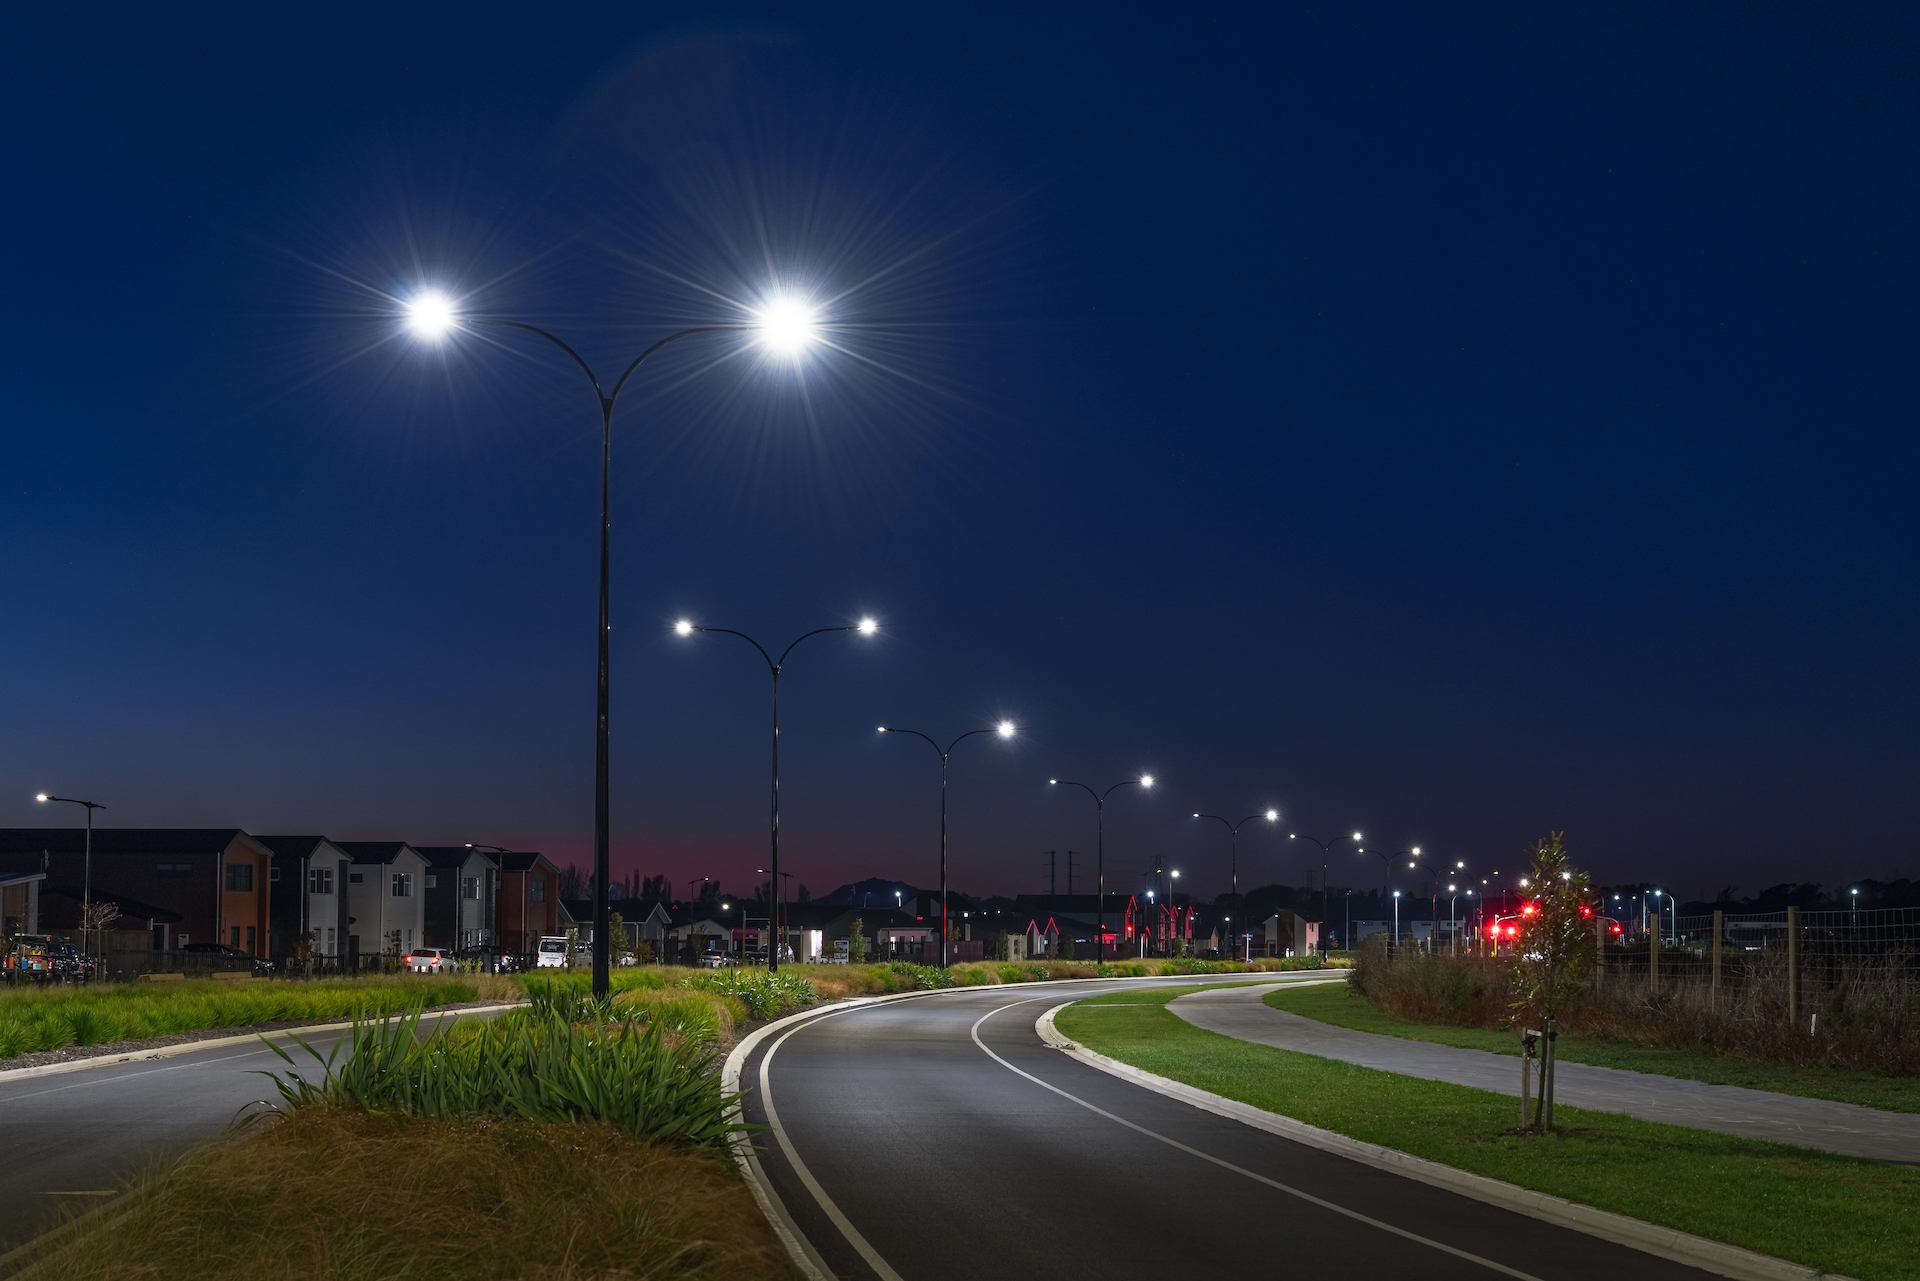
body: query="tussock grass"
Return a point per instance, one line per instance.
(1835, 1213)
(341, 1195)
(53, 1018)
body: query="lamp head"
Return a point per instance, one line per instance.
(430, 314)
(1416, 849)
(1146, 780)
(1356, 836)
(1196, 813)
(1053, 781)
(1004, 729)
(786, 326)
(867, 627)
(40, 796)
(1174, 874)
(683, 628)
(1273, 816)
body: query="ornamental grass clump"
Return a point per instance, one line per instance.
(539, 1066)
(764, 994)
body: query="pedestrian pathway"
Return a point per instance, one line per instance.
(1750, 1114)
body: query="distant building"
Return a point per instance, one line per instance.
(385, 907)
(309, 895)
(461, 896)
(527, 908)
(216, 880)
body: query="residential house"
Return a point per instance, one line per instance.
(386, 882)
(309, 896)
(216, 880)
(462, 889)
(1108, 925)
(1287, 933)
(127, 941)
(527, 907)
(641, 920)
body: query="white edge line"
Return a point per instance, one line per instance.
(9, 1075)
(800, 1251)
(1667, 1243)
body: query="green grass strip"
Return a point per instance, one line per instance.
(1345, 1008)
(1838, 1214)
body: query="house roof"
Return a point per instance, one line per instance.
(1074, 904)
(524, 860)
(129, 907)
(452, 855)
(374, 851)
(120, 840)
(293, 846)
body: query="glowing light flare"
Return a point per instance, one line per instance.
(1004, 729)
(431, 315)
(683, 628)
(1146, 780)
(867, 627)
(787, 326)
(1273, 816)
(40, 796)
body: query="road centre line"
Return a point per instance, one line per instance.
(1228, 1165)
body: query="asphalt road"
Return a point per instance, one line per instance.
(915, 1150)
(73, 1137)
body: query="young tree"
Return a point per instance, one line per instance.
(856, 943)
(1555, 956)
(616, 936)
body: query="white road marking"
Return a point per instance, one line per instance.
(840, 1220)
(1228, 1165)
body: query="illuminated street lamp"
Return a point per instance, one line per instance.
(86, 873)
(1100, 855)
(1233, 842)
(1005, 730)
(865, 627)
(784, 326)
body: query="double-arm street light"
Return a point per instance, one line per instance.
(784, 326)
(1005, 730)
(1100, 854)
(1326, 907)
(1233, 842)
(866, 627)
(1433, 903)
(86, 871)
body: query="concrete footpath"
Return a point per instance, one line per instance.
(1750, 1114)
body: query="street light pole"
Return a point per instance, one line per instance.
(432, 316)
(86, 872)
(866, 627)
(1326, 905)
(1233, 842)
(1100, 854)
(1005, 730)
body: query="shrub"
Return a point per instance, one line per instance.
(925, 978)
(538, 1068)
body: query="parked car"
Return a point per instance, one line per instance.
(713, 960)
(428, 960)
(552, 954)
(490, 957)
(233, 955)
(46, 958)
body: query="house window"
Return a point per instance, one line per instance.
(173, 869)
(469, 887)
(320, 880)
(402, 884)
(273, 874)
(250, 938)
(433, 881)
(330, 940)
(353, 878)
(537, 890)
(240, 878)
(236, 936)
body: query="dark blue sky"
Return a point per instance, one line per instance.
(1451, 421)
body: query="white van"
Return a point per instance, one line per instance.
(552, 954)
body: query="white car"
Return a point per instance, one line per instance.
(552, 954)
(713, 960)
(429, 960)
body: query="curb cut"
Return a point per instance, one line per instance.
(1667, 1243)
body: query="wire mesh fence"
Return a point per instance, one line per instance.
(1856, 971)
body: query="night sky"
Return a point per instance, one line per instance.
(1451, 421)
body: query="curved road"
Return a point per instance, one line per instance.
(938, 1137)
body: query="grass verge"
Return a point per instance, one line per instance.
(1345, 1008)
(54, 1018)
(1834, 1213)
(338, 1193)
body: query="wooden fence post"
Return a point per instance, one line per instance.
(1793, 967)
(1719, 917)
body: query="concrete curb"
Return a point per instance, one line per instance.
(1667, 1243)
(213, 1043)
